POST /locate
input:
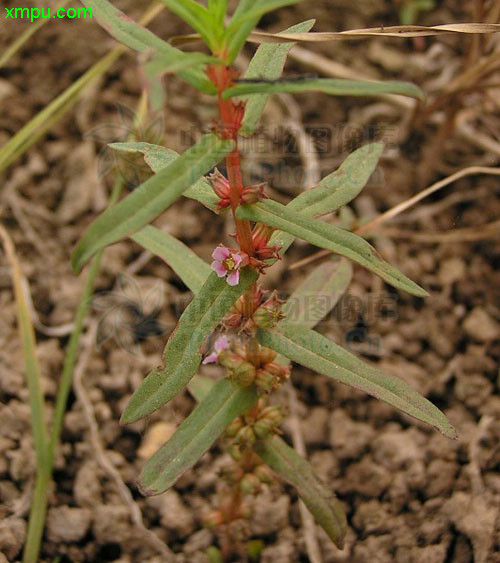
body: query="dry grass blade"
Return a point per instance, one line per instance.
(391, 31)
(472, 170)
(467, 234)
(485, 232)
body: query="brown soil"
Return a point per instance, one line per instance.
(411, 495)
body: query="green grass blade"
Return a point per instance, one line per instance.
(182, 354)
(268, 62)
(312, 350)
(37, 406)
(52, 114)
(195, 435)
(125, 30)
(28, 342)
(318, 498)
(318, 294)
(332, 86)
(330, 237)
(192, 270)
(151, 198)
(12, 49)
(157, 157)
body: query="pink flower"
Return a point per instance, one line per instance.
(221, 344)
(227, 264)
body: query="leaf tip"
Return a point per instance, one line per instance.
(144, 490)
(76, 264)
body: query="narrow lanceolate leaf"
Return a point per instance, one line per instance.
(195, 435)
(192, 270)
(330, 237)
(258, 8)
(182, 354)
(267, 63)
(318, 498)
(157, 157)
(318, 294)
(196, 16)
(343, 185)
(312, 350)
(133, 35)
(332, 86)
(151, 198)
(245, 19)
(163, 63)
(335, 190)
(217, 9)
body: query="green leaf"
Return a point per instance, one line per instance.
(195, 435)
(133, 35)
(343, 185)
(161, 63)
(218, 9)
(157, 157)
(244, 20)
(330, 237)
(257, 8)
(318, 498)
(332, 86)
(197, 17)
(182, 354)
(151, 198)
(312, 350)
(335, 190)
(268, 62)
(192, 270)
(318, 294)
(200, 387)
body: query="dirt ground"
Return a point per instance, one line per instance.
(410, 494)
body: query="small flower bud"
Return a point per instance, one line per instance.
(244, 374)
(250, 484)
(263, 428)
(233, 428)
(214, 519)
(235, 452)
(268, 252)
(264, 474)
(229, 359)
(253, 194)
(266, 381)
(233, 320)
(261, 235)
(279, 371)
(246, 436)
(266, 355)
(265, 317)
(273, 414)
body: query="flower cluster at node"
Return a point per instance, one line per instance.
(222, 188)
(263, 372)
